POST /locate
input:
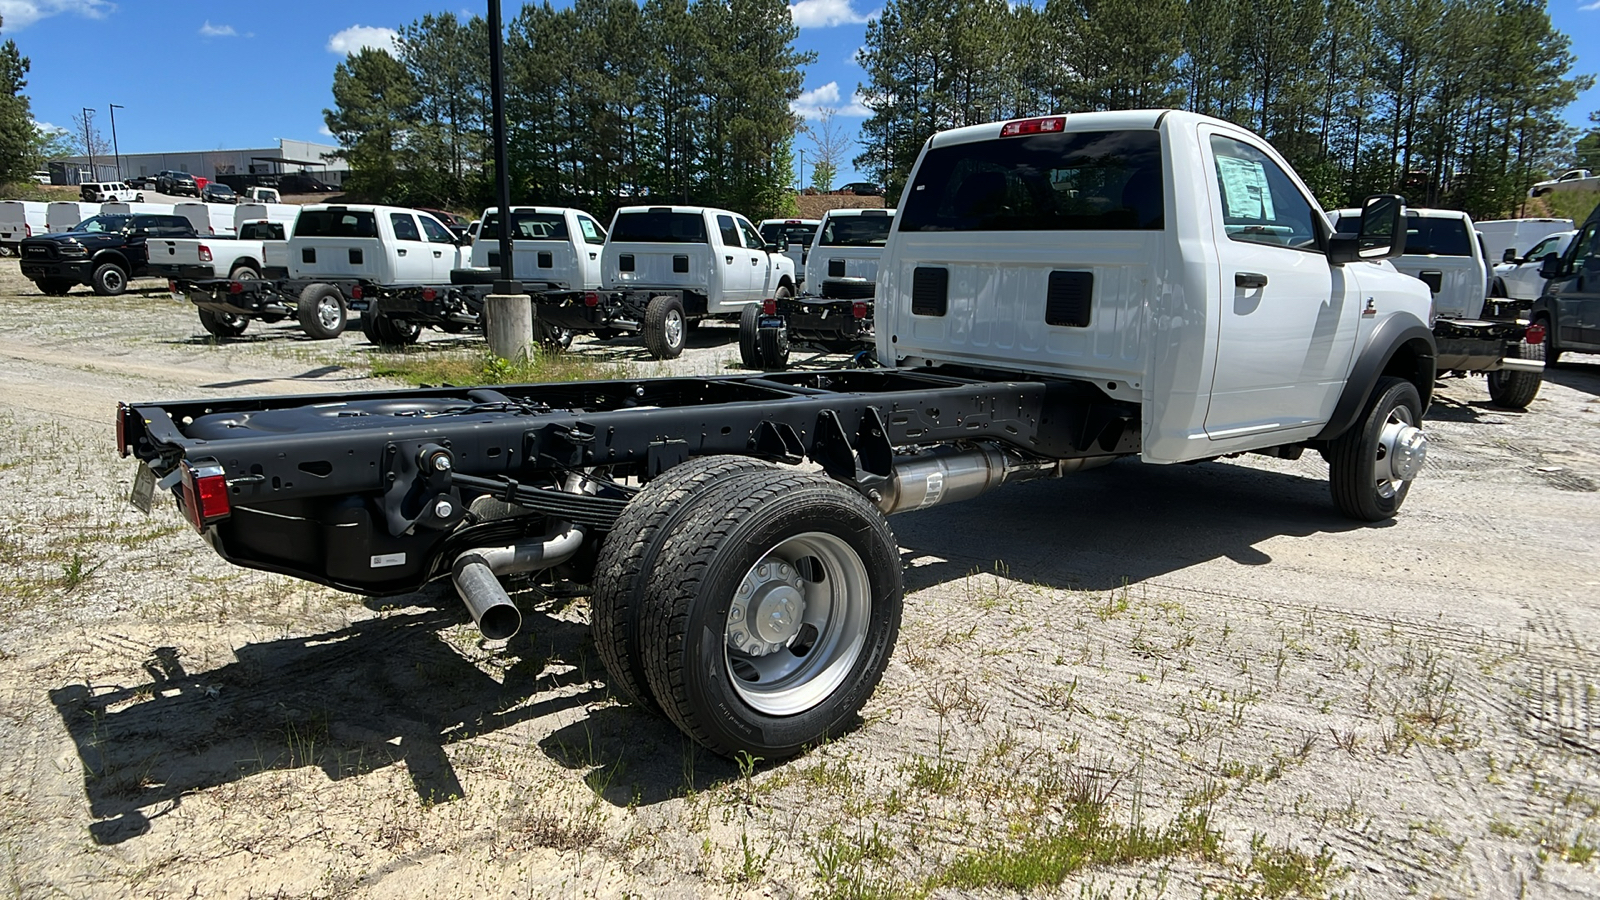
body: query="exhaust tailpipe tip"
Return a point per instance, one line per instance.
(491, 608)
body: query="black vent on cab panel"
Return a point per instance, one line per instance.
(308, 254)
(930, 291)
(546, 260)
(680, 264)
(356, 256)
(494, 260)
(835, 268)
(625, 262)
(1434, 280)
(1067, 299)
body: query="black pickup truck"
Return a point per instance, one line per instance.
(103, 252)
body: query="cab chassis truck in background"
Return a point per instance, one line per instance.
(755, 601)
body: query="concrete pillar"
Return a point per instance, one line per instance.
(508, 324)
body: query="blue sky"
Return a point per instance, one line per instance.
(195, 75)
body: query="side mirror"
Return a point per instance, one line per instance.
(1550, 266)
(1382, 234)
(1510, 256)
(774, 247)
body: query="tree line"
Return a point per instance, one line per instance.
(1450, 102)
(607, 102)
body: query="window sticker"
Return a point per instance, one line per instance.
(1244, 184)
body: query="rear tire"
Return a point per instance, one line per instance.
(109, 280)
(322, 311)
(383, 331)
(1551, 354)
(749, 345)
(1371, 465)
(1515, 390)
(223, 325)
(665, 327)
(551, 337)
(244, 273)
(629, 555)
(55, 287)
(771, 616)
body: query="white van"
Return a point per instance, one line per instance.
(64, 215)
(208, 218)
(283, 213)
(135, 209)
(107, 191)
(20, 219)
(1517, 235)
(260, 195)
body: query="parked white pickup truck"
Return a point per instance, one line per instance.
(552, 248)
(665, 268)
(795, 236)
(1517, 276)
(1473, 332)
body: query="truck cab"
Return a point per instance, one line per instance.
(1163, 258)
(382, 244)
(1444, 253)
(843, 260)
(714, 256)
(795, 236)
(557, 247)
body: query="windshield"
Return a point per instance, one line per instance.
(1424, 236)
(1062, 181)
(526, 226)
(336, 223)
(856, 231)
(786, 233)
(219, 188)
(102, 224)
(662, 227)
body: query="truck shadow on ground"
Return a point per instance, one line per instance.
(1469, 412)
(1576, 371)
(393, 689)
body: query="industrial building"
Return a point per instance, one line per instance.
(228, 166)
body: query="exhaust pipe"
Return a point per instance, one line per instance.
(1513, 364)
(476, 576)
(946, 475)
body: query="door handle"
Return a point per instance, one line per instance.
(592, 256)
(401, 252)
(755, 261)
(728, 259)
(1249, 280)
(438, 253)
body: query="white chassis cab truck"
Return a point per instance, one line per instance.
(1058, 292)
(664, 269)
(1476, 333)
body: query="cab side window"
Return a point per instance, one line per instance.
(437, 233)
(752, 238)
(592, 232)
(730, 231)
(1260, 203)
(1585, 252)
(405, 227)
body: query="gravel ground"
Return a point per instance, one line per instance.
(1135, 682)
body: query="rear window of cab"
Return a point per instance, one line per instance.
(1061, 181)
(1424, 236)
(660, 227)
(336, 223)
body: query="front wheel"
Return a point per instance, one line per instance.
(665, 327)
(109, 280)
(1370, 466)
(322, 311)
(771, 614)
(223, 325)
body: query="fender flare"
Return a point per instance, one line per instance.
(112, 256)
(1401, 345)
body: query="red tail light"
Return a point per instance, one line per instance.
(1041, 125)
(172, 286)
(205, 253)
(862, 310)
(122, 428)
(355, 292)
(210, 230)
(235, 287)
(1535, 334)
(27, 230)
(205, 494)
(769, 307)
(428, 294)
(591, 299)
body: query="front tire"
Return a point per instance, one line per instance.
(665, 327)
(223, 325)
(322, 311)
(1371, 466)
(771, 617)
(629, 555)
(109, 280)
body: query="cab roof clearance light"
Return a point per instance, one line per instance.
(1041, 125)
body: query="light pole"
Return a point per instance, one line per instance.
(116, 153)
(88, 143)
(802, 185)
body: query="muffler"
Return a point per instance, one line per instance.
(948, 474)
(476, 576)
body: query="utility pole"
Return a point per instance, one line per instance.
(802, 185)
(116, 153)
(507, 311)
(88, 143)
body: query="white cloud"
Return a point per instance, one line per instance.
(19, 14)
(827, 13)
(324, 130)
(48, 128)
(209, 30)
(356, 37)
(1593, 6)
(811, 103)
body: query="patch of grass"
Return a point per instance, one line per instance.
(1284, 872)
(427, 368)
(1085, 838)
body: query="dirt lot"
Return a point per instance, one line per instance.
(1135, 682)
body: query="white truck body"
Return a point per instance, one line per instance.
(712, 255)
(259, 250)
(844, 256)
(208, 218)
(260, 195)
(21, 219)
(550, 245)
(1516, 235)
(1571, 180)
(64, 215)
(271, 212)
(1443, 251)
(795, 236)
(109, 191)
(1166, 258)
(117, 208)
(1520, 277)
(381, 244)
